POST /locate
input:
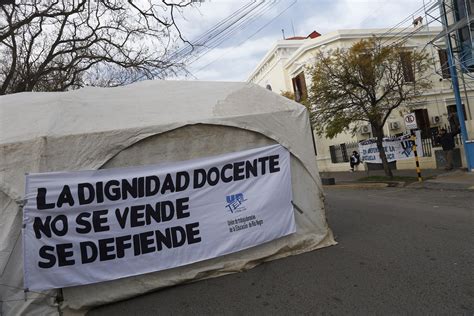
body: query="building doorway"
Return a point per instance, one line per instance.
(423, 122)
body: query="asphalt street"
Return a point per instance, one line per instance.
(400, 251)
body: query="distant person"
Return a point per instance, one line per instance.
(446, 140)
(354, 160)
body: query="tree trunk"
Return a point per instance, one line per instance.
(378, 131)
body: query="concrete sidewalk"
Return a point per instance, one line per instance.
(454, 180)
(433, 178)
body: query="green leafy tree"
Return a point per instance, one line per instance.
(288, 94)
(364, 84)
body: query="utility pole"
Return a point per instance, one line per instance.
(468, 145)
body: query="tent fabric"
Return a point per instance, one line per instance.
(146, 123)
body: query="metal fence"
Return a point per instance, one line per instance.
(427, 144)
(341, 153)
(432, 142)
(457, 138)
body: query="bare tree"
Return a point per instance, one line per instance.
(55, 45)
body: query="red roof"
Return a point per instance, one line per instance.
(313, 34)
(296, 38)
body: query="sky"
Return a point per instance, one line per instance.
(236, 57)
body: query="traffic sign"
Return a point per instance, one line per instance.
(410, 121)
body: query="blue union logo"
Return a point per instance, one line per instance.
(407, 147)
(234, 202)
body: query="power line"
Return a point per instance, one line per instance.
(389, 32)
(218, 33)
(407, 36)
(252, 35)
(235, 24)
(215, 27)
(233, 31)
(458, 60)
(201, 39)
(260, 11)
(408, 18)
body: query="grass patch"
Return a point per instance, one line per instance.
(385, 178)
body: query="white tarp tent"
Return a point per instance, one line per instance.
(147, 123)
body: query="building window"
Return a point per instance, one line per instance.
(299, 87)
(462, 9)
(443, 60)
(269, 87)
(407, 66)
(453, 113)
(465, 52)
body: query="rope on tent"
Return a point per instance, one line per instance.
(21, 289)
(296, 207)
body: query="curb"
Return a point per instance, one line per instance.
(360, 185)
(441, 186)
(400, 184)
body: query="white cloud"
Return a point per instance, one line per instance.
(235, 61)
(363, 14)
(197, 19)
(232, 63)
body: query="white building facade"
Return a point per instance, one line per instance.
(285, 69)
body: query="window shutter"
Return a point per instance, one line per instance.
(443, 60)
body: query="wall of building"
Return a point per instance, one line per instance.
(436, 101)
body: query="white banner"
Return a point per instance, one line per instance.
(91, 226)
(396, 148)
